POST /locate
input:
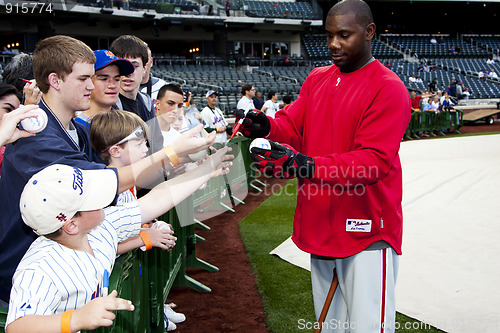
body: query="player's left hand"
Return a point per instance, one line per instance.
(283, 161)
(255, 124)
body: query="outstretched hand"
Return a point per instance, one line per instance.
(189, 143)
(219, 162)
(97, 313)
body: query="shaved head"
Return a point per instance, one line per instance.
(359, 7)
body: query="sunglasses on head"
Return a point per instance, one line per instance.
(137, 134)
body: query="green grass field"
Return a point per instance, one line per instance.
(285, 288)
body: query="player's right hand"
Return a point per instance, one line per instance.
(97, 313)
(282, 161)
(255, 124)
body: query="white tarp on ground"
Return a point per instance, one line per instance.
(449, 273)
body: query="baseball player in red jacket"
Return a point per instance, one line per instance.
(347, 124)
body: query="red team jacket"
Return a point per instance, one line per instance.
(352, 125)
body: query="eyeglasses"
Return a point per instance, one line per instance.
(137, 134)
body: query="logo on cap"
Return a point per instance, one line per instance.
(78, 180)
(109, 54)
(61, 217)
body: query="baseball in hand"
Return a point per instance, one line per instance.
(260, 143)
(35, 124)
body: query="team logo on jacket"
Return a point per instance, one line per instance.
(358, 225)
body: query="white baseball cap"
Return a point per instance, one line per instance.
(54, 195)
(210, 93)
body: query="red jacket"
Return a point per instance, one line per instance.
(352, 125)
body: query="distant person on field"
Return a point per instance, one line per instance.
(270, 106)
(246, 100)
(258, 102)
(213, 117)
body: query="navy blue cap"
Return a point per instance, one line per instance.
(105, 58)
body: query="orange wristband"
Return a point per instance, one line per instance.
(147, 241)
(172, 155)
(65, 321)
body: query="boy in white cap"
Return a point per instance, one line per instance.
(63, 269)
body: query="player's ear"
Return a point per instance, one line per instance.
(370, 31)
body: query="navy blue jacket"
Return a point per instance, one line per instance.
(22, 160)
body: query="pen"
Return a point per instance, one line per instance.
(26, 81)
(105, 283)
(237, 127)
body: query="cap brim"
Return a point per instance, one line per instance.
(125, 67)
(100, 189)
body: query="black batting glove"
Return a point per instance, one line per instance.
(282, 161)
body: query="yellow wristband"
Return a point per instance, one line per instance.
(65, 321)
(172, 156)
(147, 241)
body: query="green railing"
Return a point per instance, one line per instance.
(146, 278)
(433, 124)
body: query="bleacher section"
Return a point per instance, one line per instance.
(253, 8)
(477, 87)
(463, 66)
(200, 78)
(316, 48)
(280, 9)
(381, 50)
(468, 66)
(420, 46)
(486, 42)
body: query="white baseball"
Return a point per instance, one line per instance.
(260, 143)
(37, 123)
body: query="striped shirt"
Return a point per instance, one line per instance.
(127, 196)
(52, 278)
